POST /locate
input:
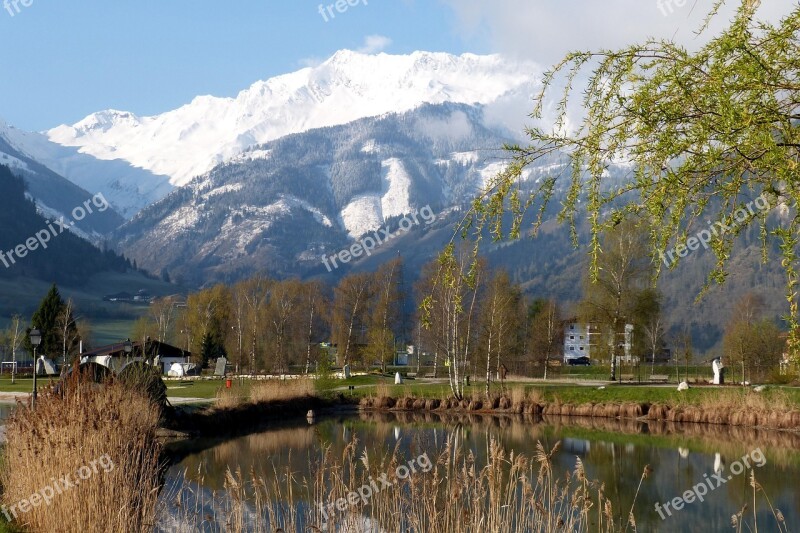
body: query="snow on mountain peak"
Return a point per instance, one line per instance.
(190, 140)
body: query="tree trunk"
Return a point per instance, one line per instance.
(308, 341)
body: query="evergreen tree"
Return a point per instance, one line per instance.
(211, 349)
(46, 319)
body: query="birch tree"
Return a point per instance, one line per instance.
(454, 300)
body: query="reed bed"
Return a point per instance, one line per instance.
(511, 493)
(265, 392)
(101, 440)
(274, 390)
(228, 398)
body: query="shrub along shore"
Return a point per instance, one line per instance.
(734, 407)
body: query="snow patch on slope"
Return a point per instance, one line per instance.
(233, 187)
(181, 220)
(12, 162)
(397, 182)
(362, 214)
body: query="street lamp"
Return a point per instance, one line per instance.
(36, 340)
(127, 348)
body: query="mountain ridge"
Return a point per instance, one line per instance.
(346, 87)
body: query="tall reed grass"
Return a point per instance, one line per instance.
(511, 493)
(70, 430)
(276, 390)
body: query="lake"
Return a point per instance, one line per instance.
(708, 460)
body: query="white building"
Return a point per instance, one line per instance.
(581, 339)
(578, 340)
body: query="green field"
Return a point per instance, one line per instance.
(109, 331)
(109, 321)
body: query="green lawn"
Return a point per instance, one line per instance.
(573, 394)
(367, 386)
(22, 384)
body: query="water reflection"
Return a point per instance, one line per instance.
(613, 452)
(5, 411)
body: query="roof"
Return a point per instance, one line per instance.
(152, 348)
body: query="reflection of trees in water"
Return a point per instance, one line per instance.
(259, 452)
(600, 442)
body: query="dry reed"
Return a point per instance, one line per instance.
(277, 390)
(511, 493)
(67, 434)
(228, 398)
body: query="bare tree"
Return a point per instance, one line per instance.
(313, 308)
(15, 335)
(386, 311)
(350, 307)
(499, 321)
(256, 291)
(67, 330)
(162, 311)
(283, 314)
(546, 333)
(624, 268)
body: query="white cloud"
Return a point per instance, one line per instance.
(374, 44)
(311, 62)
(544, 30)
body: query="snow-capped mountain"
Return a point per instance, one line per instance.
(55, 196)
(284, 205)
(128, 189)
(189, 141)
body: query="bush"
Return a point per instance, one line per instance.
(777, 378)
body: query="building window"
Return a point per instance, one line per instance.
(572, 326)
(581, 348)
(571, 348)
(581, 337)
(572, 337)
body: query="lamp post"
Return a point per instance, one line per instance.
(127, 347)
(36, 340)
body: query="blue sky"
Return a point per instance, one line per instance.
(64, 60)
